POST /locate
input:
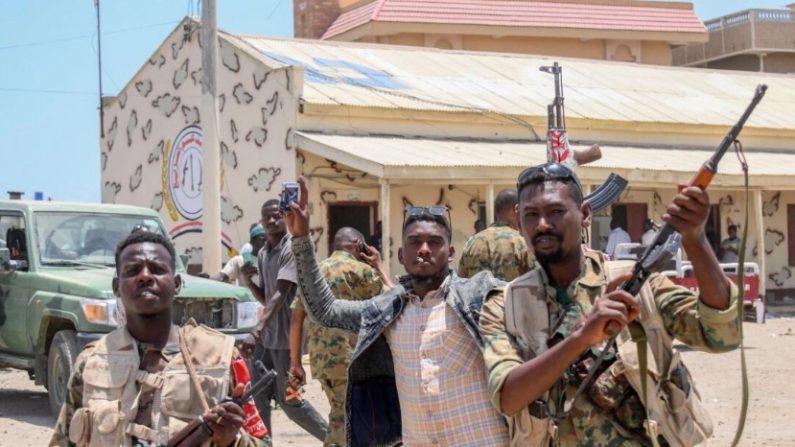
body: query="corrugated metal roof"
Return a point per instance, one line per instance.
(521, 14)
(395, 157)
(411, 78)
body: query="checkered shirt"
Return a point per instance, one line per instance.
(441, 379)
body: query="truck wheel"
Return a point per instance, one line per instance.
(60, 362)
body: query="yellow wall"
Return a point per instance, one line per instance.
(410, 39)
(333, 184)
(780, 274)
(655, 53)
(591, 49)
(658, 53)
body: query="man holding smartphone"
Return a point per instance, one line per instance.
(269, 341)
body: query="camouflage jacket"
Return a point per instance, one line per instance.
(349, 279)
(499, 249)
(610, 412)
(73, 400)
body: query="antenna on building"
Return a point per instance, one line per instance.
(99, 72)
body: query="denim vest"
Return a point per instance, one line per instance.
(372, 405)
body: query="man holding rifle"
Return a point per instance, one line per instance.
(138, 385)
(544, 333)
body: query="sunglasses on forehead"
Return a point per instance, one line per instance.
(414, 211)
(547, 171)
(417, 211)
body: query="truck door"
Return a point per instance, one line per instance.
(14, 285)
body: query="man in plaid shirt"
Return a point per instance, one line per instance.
(417, 374)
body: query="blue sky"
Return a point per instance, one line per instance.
(49, 124)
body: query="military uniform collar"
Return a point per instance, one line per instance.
(343, 254)
(127, 342)
(500, 223)
(591, 272)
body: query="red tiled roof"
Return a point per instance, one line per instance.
(520, 14)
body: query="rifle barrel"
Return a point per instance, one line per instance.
(712, 163)
(702, 179)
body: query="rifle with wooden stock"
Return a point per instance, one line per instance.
(657, 255)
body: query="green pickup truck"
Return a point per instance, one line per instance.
(57, 261)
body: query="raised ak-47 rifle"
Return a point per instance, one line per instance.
(657, 255)
(558, 150)
(702, 179)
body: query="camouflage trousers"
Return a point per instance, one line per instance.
(335, 392)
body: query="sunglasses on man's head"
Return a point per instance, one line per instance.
(547, 171)
(417, 211)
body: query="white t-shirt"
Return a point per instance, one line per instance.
(232, 270)
(617, 236)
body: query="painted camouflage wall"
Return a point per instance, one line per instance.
(151, 153)
(331, 182)
(774, 209)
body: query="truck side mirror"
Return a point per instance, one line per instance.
(5, 259)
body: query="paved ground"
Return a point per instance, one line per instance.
(25, 419)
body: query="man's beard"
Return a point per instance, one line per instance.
(553, 257)
(432, 278)
(550, 258)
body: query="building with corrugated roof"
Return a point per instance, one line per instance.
(376, 128)
(623, 30)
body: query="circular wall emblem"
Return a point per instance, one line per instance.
(185, 173)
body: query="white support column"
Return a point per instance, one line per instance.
(211, 152)
(385, 227)
(756, 210)
(489, 203)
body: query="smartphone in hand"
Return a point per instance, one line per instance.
(289, 194)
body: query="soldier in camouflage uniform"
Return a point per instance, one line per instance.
(500, 248)
(330, 349)
(147, 283)
(581, 306)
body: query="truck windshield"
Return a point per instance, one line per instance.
(85, 239)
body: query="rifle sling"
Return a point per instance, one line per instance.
(740, 303)
(188, 359)
(638, 335)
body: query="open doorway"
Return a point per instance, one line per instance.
(358, 215)
(630, 217)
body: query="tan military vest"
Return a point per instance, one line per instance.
(112, 382)
(680, 418)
